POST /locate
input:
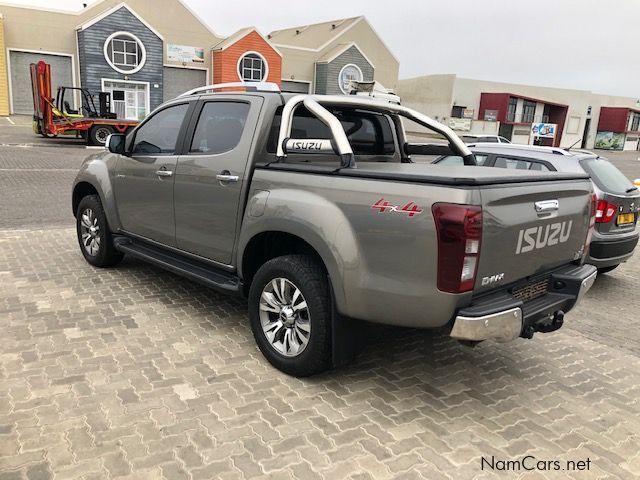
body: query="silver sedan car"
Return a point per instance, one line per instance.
(615, 236)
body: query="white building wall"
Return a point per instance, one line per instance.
(435, 95)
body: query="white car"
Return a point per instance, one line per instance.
(473, 138)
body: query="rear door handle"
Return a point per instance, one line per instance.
(227, 177)
(547, 206)
(164, 173)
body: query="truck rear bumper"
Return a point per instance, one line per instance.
(502, 316)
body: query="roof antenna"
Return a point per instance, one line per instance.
(573, 145)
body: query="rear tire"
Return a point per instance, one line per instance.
(604, 270)
(98, 134)
(94, 237)
(290, 314)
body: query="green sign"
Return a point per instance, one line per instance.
(610, 140)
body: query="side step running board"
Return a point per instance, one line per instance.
(191, 269)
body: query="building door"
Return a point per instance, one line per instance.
(179, 80)
(129, 100)
(585, 133)
(295, 86)
(506, 131)
(19, 73)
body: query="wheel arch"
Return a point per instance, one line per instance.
(81, 190)
(271, 243)
(94, 178)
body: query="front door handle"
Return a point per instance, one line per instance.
(226, 176)
(164, 173)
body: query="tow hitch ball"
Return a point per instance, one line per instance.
(552, 325)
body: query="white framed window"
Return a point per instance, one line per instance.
(347, 73)
(252, 67)
(129, 99)
(124, 52)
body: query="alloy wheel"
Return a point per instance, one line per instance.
(284, 316)
(90, 232)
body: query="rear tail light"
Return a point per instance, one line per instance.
(592, 223)
(605, 211)
(459, 231)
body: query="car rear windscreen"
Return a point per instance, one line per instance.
(606, 176)
(369, 133)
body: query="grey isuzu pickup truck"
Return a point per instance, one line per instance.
(313, 208)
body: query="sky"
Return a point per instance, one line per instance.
(577, 44)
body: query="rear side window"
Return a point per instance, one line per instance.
(520, 164)
(159, 135)
(512, 163)
(539, 167)
(456, 160)
(606, 176)
(369, 133)
(219, 127)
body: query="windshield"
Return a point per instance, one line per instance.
(606, 176)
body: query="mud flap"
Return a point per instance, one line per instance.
(347, 336)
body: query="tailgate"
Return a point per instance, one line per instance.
(531, 228)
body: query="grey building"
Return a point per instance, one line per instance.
(143, 52)
(340, 65)
(127, 63)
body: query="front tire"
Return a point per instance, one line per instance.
(290, 314)
(94, 237)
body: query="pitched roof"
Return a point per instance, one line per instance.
(239, 35)
(89, 9)
(114, 9)
(338, 50)
(233, 38)
(315, 36)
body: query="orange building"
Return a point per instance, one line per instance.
(246, 56)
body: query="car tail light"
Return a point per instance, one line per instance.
(605, 211)
(592, 224)
(459, 231)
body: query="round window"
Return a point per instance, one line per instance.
(124, 52)
(349, 72)
(252, 67)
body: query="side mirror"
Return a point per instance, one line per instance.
(116, 142)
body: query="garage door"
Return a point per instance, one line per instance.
(21, 77)
(295, 87)
(179, 80)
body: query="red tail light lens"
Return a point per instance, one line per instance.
(605, 211)
(459, 231)
(592, 223)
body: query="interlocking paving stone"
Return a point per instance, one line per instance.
(187, 393)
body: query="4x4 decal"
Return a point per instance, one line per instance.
(409, 209)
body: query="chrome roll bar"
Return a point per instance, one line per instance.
(314, 103)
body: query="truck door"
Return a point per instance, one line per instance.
(144, 177)
(210, 175)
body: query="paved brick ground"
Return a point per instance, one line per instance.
(35, 185)
(135, 373)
